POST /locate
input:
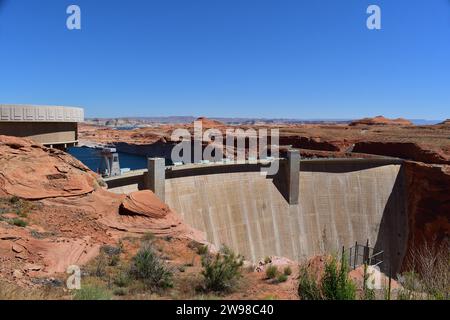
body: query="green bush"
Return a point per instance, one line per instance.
(202, 250)
(122, 279)
(287, 271)
(19, 223)
(14, 199)
(282, 278)
(336, 284)
(114, 261)
(221, 271)
(92, 293)
(308, 288)
(271, 272)
(120, 292)
(149, 268)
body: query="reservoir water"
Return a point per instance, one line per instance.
(92, 159)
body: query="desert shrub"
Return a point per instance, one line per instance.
(92, 292)
(114, 261)
(150, 269)
(99, 267)
(202, 250)
(120, 292)
(12, 291)
(18, 222)
(287, 271)
(271, 272)
(122, 279)
(14, 200)
(222, 270)
(335, 283)
(282, 278)
(308, 289)
(111, 250)
(429, 272)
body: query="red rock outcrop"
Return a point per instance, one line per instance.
(142, 212)
(31, 171)
(144, 203)
(404, 150)
(69, 215)
(313, 143)
(428, 204)
(445, 123)
(381, 121)
(210, 124)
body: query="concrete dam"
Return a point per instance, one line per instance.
(309, 207)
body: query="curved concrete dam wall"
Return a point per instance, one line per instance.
(339, 202)
(338, 205)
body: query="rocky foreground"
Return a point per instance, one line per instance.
(55, 212)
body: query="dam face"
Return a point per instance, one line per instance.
(340, 202)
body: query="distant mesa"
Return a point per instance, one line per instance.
(445, 123)
(381, 121)
(208, 123)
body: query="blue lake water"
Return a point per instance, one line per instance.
(92, 158)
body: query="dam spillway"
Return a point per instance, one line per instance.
(340, 202)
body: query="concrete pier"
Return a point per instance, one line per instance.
(156, 180)
(293, 178)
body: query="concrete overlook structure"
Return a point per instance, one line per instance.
(53, 126)
(309, 207)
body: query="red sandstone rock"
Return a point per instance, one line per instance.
(208, 123)
(314, 143)
(380, 120)
(144, 203)
(445, 123)
(31, 171)
(428, 205)
(70, 217)
(404, 150)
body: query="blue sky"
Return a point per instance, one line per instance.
(230, 58)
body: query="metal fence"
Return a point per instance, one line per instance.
(359, 255)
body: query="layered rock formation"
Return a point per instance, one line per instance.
(31, 171)
(428, 205)
(54, 213)
(381, 121)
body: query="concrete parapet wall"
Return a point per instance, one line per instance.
(30, 113)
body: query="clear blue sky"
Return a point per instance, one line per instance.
(231, 58)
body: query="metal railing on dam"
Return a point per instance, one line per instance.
(314, 207)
